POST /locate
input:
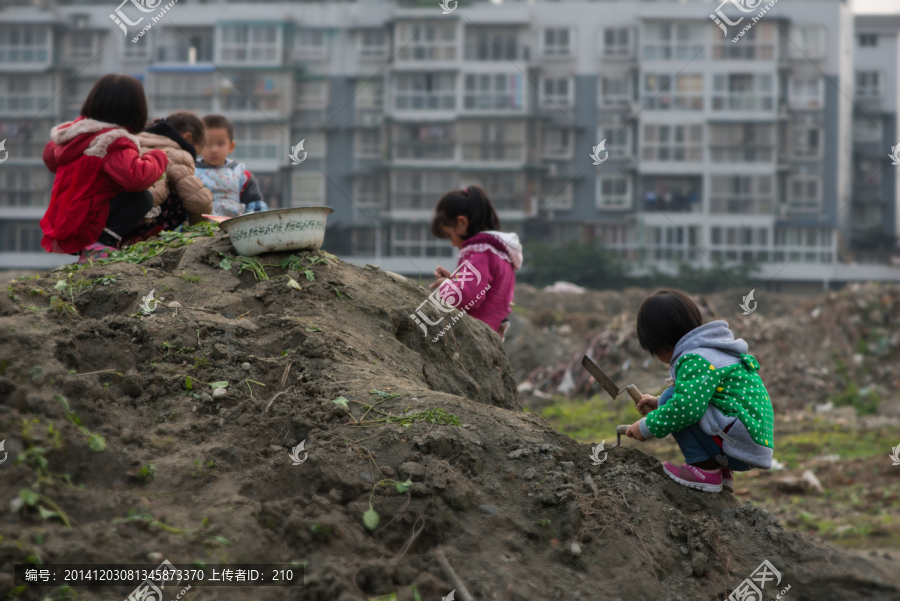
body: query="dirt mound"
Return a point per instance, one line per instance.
(125, 443)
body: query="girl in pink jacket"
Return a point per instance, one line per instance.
(484, 280)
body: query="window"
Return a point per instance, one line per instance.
(368, 192)
(743, 92)
(419, 189)
(181, 91)
(22, 44)
(742, 194)
(20, 236)
(24, 93)
(673, 243)
(499, 92)
(369, 101)
(682, 93)
(867, 128)
(18, 186)
(315, 145)
(362, 241)
(739, 243)
(677, 143)
(558, 143)
(433, 42)
(868, 40)
(808, 43)
(758, 44)
(373, 44)
(613, 192)
(252, 91)
(615, 90)
(558, 92)
(806, 93)
(556, 193)
(667, 41)
(312, 94)
(425, 91)
(868, 84)
(81, 45)
(310, 44)
(508, 192)
(616, 41)
(367, 144)
(742, 143)
(424, 142)
(805, 193)
(493, 44)
(493, 141)
(250, 43)
(415, 240)
(138, 51)
(806, 141)
(557, 42)
(258, 141)
(307, 189)
(618, 139)
(816, 245)
(672, 193)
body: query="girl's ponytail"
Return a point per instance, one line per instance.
(473, 203)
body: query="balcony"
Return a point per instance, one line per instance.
(424, 151)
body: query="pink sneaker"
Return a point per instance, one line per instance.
(727, 480)
(693, 477)
(94, 252)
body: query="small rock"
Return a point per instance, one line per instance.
(412, 470)
(245, 366)
(516, 454)
(488, 509)
(219, 393)
(204, 396)
(372, 267)
(388, 471)
(684, 550)
(174, 305)
(529, 474)
(567, 466)
(219, 351)
(335, 496)
(395, 276)
(340, 411)
(699, 561)
(455, 356)
(418, 489)
(575, 549)
(154, 557)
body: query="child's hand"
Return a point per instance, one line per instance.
(438, 282)
(440, 272)
(647, 404)
(634, 431)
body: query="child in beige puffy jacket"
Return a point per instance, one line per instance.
(179, 196)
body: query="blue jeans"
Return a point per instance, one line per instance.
(696, 445)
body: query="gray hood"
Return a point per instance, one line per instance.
(714, 342)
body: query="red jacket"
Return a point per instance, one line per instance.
(93, 161)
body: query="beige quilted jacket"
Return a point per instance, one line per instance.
(180, 179)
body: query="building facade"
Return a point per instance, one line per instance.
(723, 151)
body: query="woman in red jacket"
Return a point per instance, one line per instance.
(100, 191)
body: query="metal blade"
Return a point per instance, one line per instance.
(601, 377)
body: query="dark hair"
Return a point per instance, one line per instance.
(664, 318)
(188, 123)
(117, 99)
(219, 122)
(471, 202)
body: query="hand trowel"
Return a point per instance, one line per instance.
(613, 390)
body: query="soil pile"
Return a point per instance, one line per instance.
(127, 446)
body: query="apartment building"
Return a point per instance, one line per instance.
(718, 150)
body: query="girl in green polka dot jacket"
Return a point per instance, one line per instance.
(718, 410)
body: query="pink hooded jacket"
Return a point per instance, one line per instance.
(486, 285)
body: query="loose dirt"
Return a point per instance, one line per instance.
(162, 463)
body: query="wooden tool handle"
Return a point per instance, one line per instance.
(634, 392)
(622, 429)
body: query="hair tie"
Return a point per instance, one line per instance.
(466, 191)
